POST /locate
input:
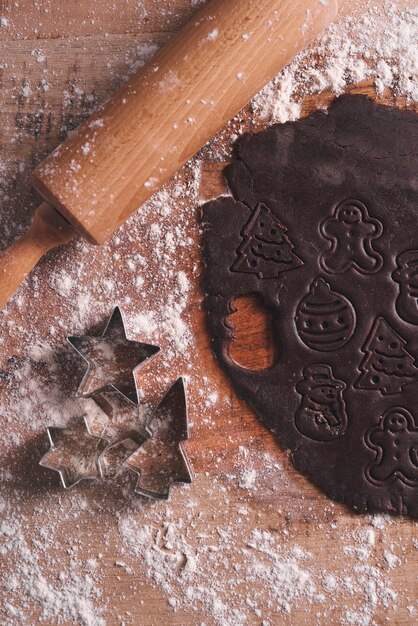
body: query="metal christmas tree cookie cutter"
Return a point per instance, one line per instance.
(168, 428)
(153, 449)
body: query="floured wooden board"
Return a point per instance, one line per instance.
(250, 541)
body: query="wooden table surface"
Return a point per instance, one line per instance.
(58, 61)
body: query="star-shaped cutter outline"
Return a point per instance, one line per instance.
(116, 318)
(178, 387)
(138, 434)
(65, 480)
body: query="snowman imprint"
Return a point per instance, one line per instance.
(351, 232)
(321, 415)
(407, 276)
(395, 441)
(325, 320)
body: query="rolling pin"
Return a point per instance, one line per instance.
(159, 119)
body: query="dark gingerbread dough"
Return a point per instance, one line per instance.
(323, 225)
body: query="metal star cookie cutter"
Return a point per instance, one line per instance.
(161, 460)
(64, 454)
(126, 431)
(112, 359)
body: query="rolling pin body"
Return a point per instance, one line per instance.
(134, 143)
(120, 156)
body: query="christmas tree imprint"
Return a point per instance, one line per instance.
(387, 366)
(395, 442)
(161, 460)
(325, 319)
(266, 249)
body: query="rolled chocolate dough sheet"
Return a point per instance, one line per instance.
(322, 224)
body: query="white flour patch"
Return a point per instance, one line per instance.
(380, 44)
(228, 547)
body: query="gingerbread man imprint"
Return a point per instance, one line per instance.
(321, 414)
(395, 441)
(351, 232)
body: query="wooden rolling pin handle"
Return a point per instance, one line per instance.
(133, 144)
(48, 230)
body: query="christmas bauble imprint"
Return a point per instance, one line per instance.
(325, 319)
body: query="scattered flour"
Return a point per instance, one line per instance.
(193, 563)
(380, 44)
(213, 549)
(73, 598)
(39, 55)
(26, 90)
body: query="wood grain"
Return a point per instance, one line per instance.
(168, 110)
(48, 230)
(86, 61)
(254, 345)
